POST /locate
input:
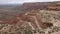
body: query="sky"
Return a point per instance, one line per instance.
(22, 1)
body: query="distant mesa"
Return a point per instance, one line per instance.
(42, 5)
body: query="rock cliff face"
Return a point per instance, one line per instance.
(54, 7)
(42, 5)
(35, 6)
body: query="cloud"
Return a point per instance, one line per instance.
(10, 1)
(40, 0)
(22, 1)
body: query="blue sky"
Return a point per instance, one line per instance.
(22, 1)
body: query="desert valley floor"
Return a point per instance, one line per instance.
(33, 22)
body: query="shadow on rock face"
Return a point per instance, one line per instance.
(48, 24)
